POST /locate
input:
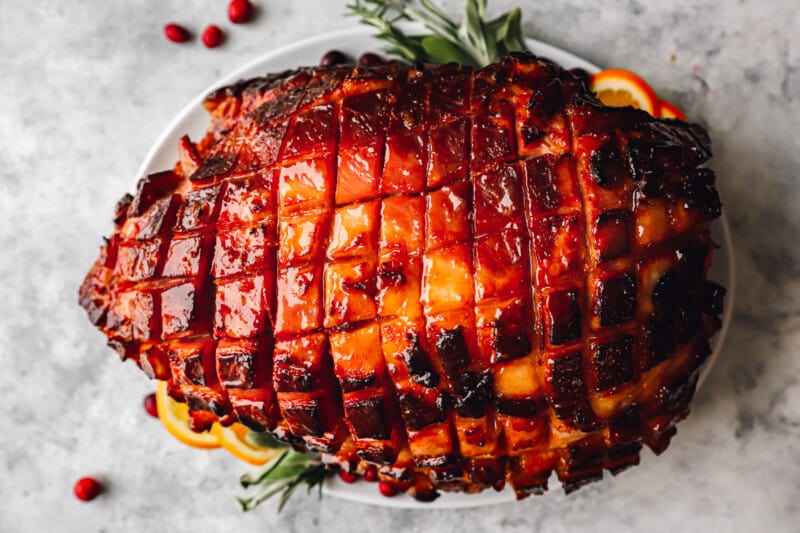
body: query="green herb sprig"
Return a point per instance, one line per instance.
(472, 41)
(283, 474)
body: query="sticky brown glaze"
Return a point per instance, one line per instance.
(466, 277)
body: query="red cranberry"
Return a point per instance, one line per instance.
(87, 489)
(332, 58)
(347, 477)
(371, 474)
(369, 58)
(212, 36)
(240, 11)
(387, 489)
(150, 405)
(177, 33)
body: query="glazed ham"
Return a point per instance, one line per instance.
(467, 277)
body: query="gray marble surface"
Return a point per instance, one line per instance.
(86, 86)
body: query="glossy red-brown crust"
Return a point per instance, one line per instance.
(466, 277)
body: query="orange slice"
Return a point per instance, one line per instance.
(232, 438)
(670, 110)
(618, 87)
(175, 417)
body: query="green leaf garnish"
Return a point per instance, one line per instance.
(283, 475)
(443, 50)
(472, 41)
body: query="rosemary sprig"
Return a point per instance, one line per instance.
(283, 474)
(472, 41)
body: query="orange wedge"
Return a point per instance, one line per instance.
(670, 110)
(232, 438)
(175, 417)
(618, 87)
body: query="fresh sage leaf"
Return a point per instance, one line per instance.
(509, 32)
(440, 50)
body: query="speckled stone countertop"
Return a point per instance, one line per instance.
(86, 86)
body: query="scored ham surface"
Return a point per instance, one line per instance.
(468, 277)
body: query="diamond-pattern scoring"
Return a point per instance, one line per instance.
(459, 275)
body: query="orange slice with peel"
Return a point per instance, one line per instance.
(232, 438)
(175, 418)
(670, 110)
(619, 87)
